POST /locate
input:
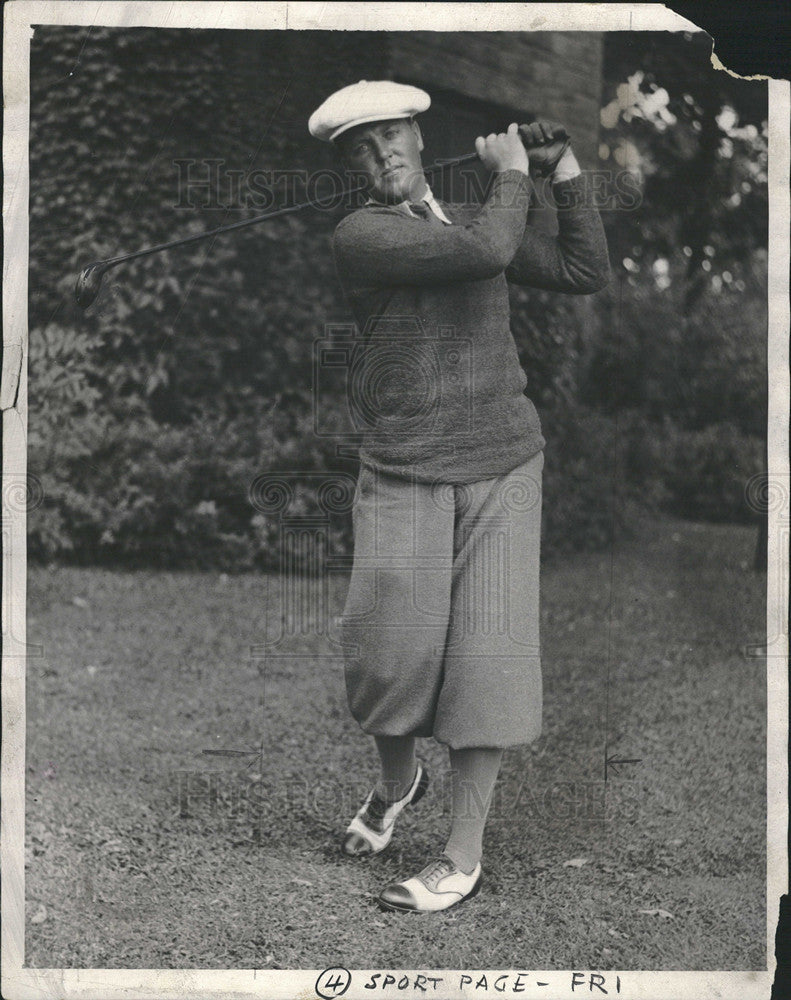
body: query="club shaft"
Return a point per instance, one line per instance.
(287, 210)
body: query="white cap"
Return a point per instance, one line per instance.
(363, 102)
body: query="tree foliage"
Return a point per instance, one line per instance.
(683, 335)
(152, 413)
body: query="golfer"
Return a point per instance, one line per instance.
(441, 624)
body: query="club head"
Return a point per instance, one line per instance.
(88, 284)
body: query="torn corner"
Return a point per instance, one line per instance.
(717, 63)
(12, 371)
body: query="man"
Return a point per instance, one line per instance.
(441, 618)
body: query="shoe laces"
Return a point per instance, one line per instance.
(434, 871)
(376, 809)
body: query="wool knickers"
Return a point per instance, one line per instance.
(441, 624)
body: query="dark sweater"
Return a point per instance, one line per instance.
(436, 384)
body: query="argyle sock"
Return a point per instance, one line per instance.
(473, 775)
(399, 765)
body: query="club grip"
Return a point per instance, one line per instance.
(558, 132)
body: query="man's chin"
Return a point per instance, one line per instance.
(400, 186)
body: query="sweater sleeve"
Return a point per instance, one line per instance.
(382, 246)
(575, 261)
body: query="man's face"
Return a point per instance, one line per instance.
(388, 153)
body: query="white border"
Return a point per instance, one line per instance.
(350, 16)
(103, 984)
(777, 607)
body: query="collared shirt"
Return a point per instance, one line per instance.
(429, 199)
(434, 205)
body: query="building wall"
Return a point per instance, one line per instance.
(553, 74)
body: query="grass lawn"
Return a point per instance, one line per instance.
(142, 851)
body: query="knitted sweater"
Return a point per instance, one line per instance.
(435, 386)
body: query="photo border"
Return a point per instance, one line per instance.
(19, 982)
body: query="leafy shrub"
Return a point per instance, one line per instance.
(64, 434)
(583, 505)
(153, 413)
(708, 470)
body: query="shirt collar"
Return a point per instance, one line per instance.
(435, 207)
(429, 199)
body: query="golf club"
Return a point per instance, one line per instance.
(90, 278)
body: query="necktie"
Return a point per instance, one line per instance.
(422, 210)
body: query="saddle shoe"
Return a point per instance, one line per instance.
(438, 887)
(371, 829)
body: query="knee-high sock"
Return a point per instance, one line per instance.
(473, 776)
(397, 757)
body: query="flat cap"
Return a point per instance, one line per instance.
(363, 102)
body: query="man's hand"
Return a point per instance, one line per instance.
(503, 151)
(546, 142)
